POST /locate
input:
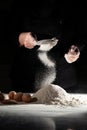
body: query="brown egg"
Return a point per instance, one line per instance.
(18, 96)
(26, 97)
(2, 97)
(11, 94)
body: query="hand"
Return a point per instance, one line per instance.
(27, 40)
(73, 54)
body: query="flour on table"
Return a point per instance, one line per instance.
(54, 94)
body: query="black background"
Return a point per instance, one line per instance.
(72, 16)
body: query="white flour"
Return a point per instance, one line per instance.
(54, 94)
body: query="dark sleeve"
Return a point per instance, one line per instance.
(66, 74)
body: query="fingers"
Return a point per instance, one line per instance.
(73, 54)
(74, 50)
(27, 40)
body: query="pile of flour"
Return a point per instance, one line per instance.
(54, 94)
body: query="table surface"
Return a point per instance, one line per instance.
(44, 117)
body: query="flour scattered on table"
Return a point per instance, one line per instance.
(54, 94)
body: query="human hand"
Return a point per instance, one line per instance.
(73, 54)
(27, 40)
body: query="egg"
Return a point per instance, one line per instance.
(2, 97)
(26, 97)
(18, 96)
(11, 94)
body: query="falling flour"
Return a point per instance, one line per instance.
(54, 94)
